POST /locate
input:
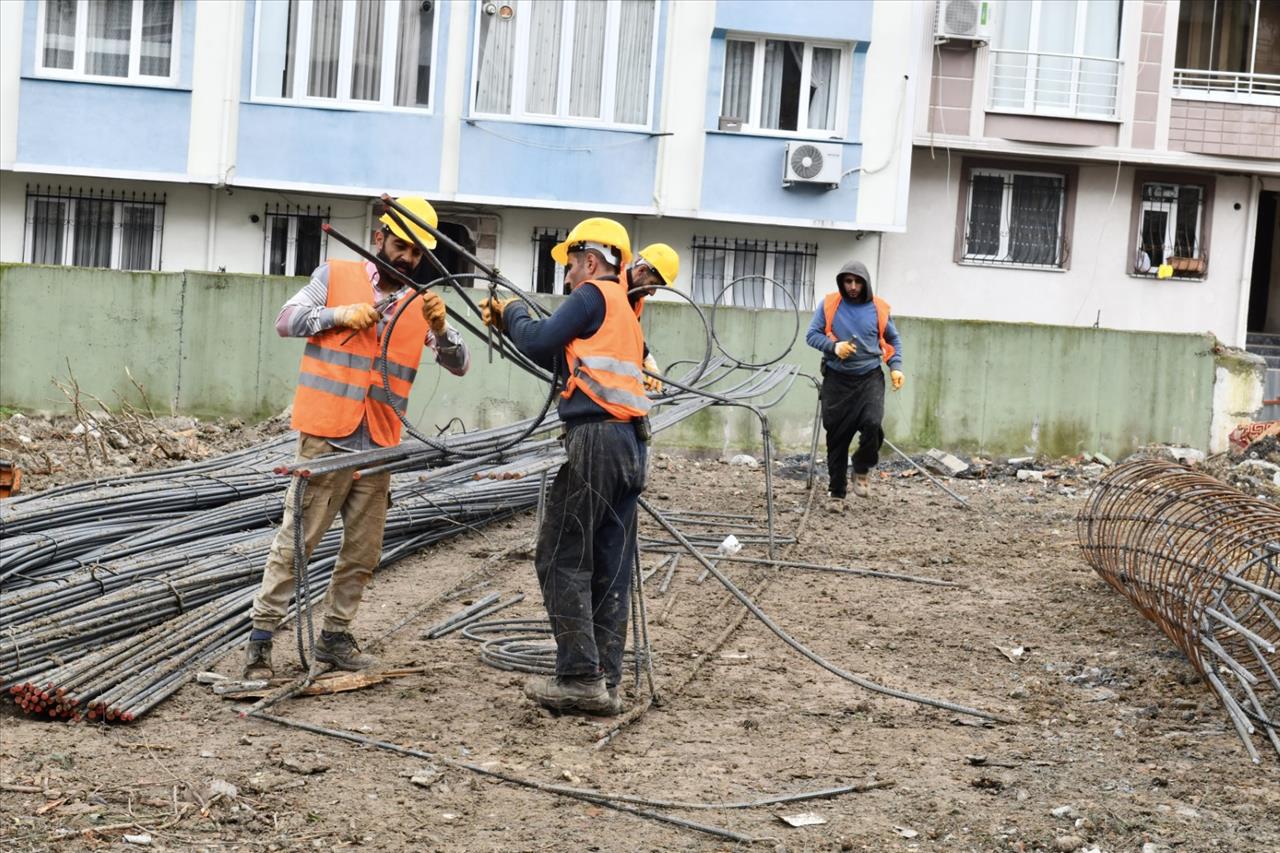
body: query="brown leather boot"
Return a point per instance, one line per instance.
(862, 485)
(340, 651)
(570, 694)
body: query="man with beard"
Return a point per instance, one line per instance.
(340, 405)
(853, 331)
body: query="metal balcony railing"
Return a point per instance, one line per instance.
(1226, 82)
(1057, 84)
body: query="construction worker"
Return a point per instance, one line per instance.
(586, 545)
(656, 265)
(340, 405)
(854, 332)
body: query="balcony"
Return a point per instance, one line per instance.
(1061, 85)
(1226, 86)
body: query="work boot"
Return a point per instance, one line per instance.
(836, 505)
(615, 701)
(862, 485)
(570, 694)
(257, 661)
(339, 650)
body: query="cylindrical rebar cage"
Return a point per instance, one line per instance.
(1202, 561)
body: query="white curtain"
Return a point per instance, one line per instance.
(1057, 34)
(635, 44)
(825, 66)
(735, 102)
(157, 38)
(1099, 80)
(366, 52)
(326, 32)
(137, 236)
(60, 34)
(708, 273)
(747, 261)
(497, 58)
(413, 56)
(48, 230)
(771, 94)
(110, 32)
(1009, 70)
(544, 56)
(94, 219)
(586, 76)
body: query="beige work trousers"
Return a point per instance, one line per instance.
(363, 505)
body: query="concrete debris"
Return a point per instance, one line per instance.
(944, 463)
(745, 460)
(1019, 461)
(1187, 455)
(1027, 475)
(1103, 458)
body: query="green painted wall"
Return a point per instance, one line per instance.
(205, 344)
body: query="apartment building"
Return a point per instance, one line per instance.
(1096, 162)
(768, 141)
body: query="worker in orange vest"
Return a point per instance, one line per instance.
(586, 545)
(855, 334)
(340, 405)
(655, 266)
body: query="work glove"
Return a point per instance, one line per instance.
(652, 385)
(433, 312)
(359, 316)
(896, 377)
(491, 309)
(844, 349)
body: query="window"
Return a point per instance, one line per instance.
(1058, 57)
(1015, 217)
(115, 231)
(295, 243)
(372, 53)
(753, 271)
(124, 40)
(1171, 224)
(778, 84)
(579, 61)
(1230, 47)
(548, 276)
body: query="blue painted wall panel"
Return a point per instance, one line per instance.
(103, 125)
(742, 176)
(840, 20)
(370, 149)
(555, 163)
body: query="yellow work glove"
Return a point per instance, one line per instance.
(652, 385)
(359, 316)
(491, 311)
(896, 377)
(844, 349)
(433, 312)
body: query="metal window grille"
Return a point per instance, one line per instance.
(72, 227)
(548, 276)
(748, 265)
(1170, 230)
(294, 242)
(1015, 218)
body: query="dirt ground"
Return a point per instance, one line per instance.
(1116, 745)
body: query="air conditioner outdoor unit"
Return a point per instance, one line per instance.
(810, 163)
(964, 20)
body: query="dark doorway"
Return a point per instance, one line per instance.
(1264, 288)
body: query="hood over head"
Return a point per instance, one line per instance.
(859, 269)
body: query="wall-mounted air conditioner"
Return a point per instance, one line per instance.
(964, 20)
(810, 163)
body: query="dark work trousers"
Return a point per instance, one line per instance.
(586, 548)
(852, 404)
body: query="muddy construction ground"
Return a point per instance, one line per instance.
(1116, 744)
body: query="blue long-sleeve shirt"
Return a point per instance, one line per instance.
(543, 341)
(854, 321)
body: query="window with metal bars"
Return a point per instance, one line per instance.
(70, 227)
(1016, 218)
(1171, 228)
(548, 276)
(295, 244)
(752, 273)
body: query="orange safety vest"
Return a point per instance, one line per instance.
(339, 385)
(832, 302)
(607, 366)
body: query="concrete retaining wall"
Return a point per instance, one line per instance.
(204, 344)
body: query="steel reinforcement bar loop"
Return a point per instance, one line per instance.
(1202, 561)
(795, 310)
(801, 647)
(559, 790)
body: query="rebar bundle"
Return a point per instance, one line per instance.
(1202, 561)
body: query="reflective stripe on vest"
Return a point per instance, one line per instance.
(607, 366)
(340, 384)
(832, 302)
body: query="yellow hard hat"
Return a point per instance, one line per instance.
(420, 208)
(600, 231)
(663, 259)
